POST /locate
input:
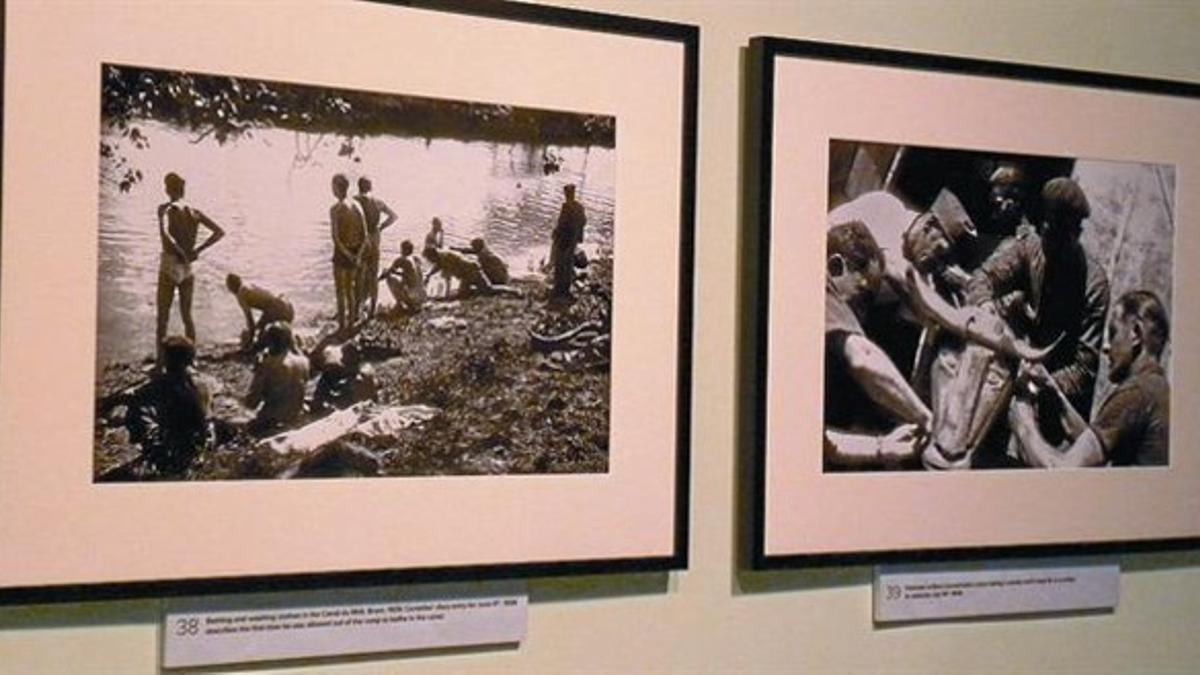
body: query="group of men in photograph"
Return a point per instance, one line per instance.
(169, 416)
(1036, 304)
(356, 225)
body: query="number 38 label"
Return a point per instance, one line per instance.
(186, 626)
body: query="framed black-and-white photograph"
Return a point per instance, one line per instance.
(405, 294)
(968, 305)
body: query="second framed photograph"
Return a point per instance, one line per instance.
(407, 298)
(968, 299)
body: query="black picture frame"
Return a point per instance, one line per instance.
(761, 161)
(685, 38)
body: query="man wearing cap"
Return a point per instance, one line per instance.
(178, 228)
(930, 242)
(1064, 292)
(377, 216)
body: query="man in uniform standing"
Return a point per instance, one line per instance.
(567, 235)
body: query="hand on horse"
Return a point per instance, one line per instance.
(902, 442)
(1036, 373)
(932, 459)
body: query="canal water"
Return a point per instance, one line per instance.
(271, 194)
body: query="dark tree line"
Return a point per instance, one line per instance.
(224, 108)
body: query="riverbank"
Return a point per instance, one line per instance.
(501, 405)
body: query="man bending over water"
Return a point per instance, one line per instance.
(178, 229)
(271, 307)
(471, 278)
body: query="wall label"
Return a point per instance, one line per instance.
(246, 628)
(993, 588)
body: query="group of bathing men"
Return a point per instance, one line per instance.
(356, 225)
(169, 416)
(1039, 280)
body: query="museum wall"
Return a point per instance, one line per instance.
(710, 617)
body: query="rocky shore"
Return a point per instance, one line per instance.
(500, 401)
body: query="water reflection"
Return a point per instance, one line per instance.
(271, 194)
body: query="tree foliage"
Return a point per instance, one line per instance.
(224, 108)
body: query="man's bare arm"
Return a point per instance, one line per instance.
(216, 233)
(864, 450)
(393, 269)
(390, 215)
(1086, 450)
(1074, 422)
(249, 317)
(881, 380)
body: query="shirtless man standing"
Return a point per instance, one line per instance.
(178, 229)
(377, 216)
(349, 231)
(250, 297)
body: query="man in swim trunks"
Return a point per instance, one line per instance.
(349, 231)
(374, 209)
(250, 298)
(178, 229)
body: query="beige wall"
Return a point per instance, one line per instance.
(708, 618)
